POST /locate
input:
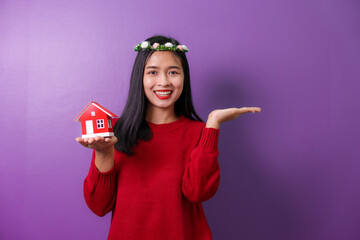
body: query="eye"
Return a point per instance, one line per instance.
(173, 72)
(152, 72)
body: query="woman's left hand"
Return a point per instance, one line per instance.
(219, 116)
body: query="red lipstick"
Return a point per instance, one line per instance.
(163, 96)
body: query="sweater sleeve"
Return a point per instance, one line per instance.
(100, 189)
(202, 173)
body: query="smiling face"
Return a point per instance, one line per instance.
(163, 81)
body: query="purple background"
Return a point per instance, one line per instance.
(290, 172)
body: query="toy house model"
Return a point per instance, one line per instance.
(95, 121)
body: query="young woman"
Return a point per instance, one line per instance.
(162, 163)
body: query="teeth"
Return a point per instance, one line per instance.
(163, 93)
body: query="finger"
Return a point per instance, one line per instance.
(249, 109)
(82, 142)
(91, 140)
(109, 140)
(113, 139)
(255, 109)
(99, 139)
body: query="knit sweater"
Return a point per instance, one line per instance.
(157, 193)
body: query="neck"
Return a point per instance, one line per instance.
(160, 116)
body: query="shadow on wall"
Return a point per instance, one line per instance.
(249, 204)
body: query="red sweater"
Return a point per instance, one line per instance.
(157, 192)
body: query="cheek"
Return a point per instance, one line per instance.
(179, 84)
(148, 85)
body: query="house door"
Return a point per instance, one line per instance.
(89, 127)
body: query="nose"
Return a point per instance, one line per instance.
(163, 80)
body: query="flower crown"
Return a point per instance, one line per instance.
(157, 47)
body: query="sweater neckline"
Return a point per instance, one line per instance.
(166, 127)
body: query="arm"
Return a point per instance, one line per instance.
(202, 173)
(100, 184)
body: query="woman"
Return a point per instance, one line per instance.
(162, 163)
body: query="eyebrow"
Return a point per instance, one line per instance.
(158, 67)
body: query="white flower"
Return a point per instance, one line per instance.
(185, 48)
(145, 44)
(168, 44)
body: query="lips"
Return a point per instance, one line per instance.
(163, 94)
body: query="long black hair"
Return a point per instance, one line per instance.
(132, 125)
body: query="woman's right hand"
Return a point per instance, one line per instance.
(98, 143)
(104, 150)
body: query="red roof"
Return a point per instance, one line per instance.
(99, 107)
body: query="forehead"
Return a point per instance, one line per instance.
(163, 58)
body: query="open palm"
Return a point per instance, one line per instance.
(219, 116)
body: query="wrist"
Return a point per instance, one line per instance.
(105, 152)
(212, 123)
(104, 159)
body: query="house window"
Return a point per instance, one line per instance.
(109, 123)
(92, 113)
(100, 123)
